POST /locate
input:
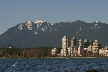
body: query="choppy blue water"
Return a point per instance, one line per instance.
(52, 65)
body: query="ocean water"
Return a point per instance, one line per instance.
(52, 64)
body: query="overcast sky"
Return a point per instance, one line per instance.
(13, 12)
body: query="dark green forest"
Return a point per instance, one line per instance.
(25, 52)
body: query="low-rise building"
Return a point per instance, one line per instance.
(54, 51)
(103, 51)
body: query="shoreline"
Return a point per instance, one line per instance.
(78, 57)
(52, 57)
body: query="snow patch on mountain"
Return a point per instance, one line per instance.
(40, 21)
(51, 23)
(96, 25)
(44, 28)
(97, 21)
(36, 32)
(20, 27)
(37, 27)
(29, 24)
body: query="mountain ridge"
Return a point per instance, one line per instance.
(42, 33)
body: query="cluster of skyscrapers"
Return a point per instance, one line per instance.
(81, 48)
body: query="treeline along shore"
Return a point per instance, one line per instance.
(43, 52)
(25, 52)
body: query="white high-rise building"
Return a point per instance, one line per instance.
(64, 46)
(79, 43)
(73, 42)
(95, 47)
(64, 42)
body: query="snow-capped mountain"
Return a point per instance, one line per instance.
(37, 26)
(42, 33)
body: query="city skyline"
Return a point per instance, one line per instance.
(86, 48)
(15, 12)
